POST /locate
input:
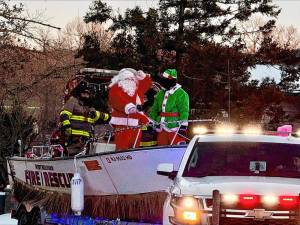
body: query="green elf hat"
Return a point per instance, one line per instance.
(170, 74)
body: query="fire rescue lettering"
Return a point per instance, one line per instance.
(48, 179)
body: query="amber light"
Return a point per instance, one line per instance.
(191, 216)
(186, 209)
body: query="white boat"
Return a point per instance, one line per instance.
(121, 185)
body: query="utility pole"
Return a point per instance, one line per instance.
(180, 32)
(229, 91)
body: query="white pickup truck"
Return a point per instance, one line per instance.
(235, 179)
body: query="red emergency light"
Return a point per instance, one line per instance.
(252, 201)
(288, 202)
(249, 201)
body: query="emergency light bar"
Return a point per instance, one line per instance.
(229, 129)
(250, 201)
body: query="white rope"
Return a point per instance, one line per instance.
(154, 125)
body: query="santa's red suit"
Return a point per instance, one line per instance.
(127, 90)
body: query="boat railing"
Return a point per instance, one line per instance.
(57, 150)
(45, 151)
(110, 132)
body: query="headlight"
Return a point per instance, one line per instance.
(230, 199)
(270, 200)
(200, 130)
(186, 210)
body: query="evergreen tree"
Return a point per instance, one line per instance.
(138, 31)
(15, 125)
(91, 51)
(207, 20)
(285, 59)
(99, 12)
(209, 56)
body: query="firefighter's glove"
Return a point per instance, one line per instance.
(183, 130)
(93, 114)
(105, 117)
(96, 115)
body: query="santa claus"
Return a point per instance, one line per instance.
(126, 96)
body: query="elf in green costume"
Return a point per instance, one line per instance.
(170, 104)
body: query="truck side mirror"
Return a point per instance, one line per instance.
(166, 169)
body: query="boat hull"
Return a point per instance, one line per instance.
(129, 172)
(121, 185)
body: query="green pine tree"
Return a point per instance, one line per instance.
(211, 20)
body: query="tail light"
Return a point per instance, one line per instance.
(288, 202)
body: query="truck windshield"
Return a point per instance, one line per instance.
(244, 159)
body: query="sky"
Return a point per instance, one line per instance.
(61, 12)
(262, 71)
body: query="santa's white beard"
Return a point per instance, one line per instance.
(128, 86)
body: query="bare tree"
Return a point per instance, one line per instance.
(286, 37)
(72, 36)
(14, 24)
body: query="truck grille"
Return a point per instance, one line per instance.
(241, 221)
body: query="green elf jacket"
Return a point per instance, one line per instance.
(171, 105)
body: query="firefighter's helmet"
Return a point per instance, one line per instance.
(82, 87)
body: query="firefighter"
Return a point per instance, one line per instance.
(78, 119)
(170, 104)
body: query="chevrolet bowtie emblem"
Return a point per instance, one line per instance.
(259, 214)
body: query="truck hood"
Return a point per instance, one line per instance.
(238, 185)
